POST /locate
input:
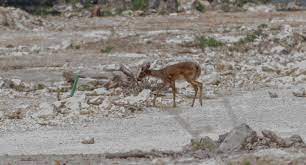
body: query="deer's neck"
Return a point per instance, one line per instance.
(156, 73)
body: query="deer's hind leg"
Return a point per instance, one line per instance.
(173, 92)
(200, 85)
(196, 86)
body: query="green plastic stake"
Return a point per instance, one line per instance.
(75, 84)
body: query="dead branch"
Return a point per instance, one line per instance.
(125, 70)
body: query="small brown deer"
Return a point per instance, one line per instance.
(189, 71)
(96, 11)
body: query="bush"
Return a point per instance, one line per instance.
(251, 37)
(204, 42)
(107, 50)
(140, 4)
(43, 11)
(199, 7)
(262, 26)
(107, 13)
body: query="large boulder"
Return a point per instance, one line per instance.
(235, 139)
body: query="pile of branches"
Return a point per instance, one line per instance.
(129, 83)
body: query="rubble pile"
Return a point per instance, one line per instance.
(14, 18)
(258, 59)
(242, 138)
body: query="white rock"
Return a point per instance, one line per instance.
(79, 5)
(236, 138)
(262, 8)
(277, 49)
(286, 31)
(111, 67)
(55, 47)
(85, 111)
(96, 100)
(35, 49)
(88, 140)
(299, 92)
(158, 161)
(300, 79)
(58, 104)
(75, 103)
(63, 8)
(142, 97)
(127, 13)
(102, 91)
(66, 44)
(128, 55)
(212, 79)
(18, 85)
(71, 105)
(227, 39)
(180, 39)
(45, 111)
(268, 68)
(106, 105)
(1, 115)
(16, 82)
(285, 79)
(301, 68)
(2, 83)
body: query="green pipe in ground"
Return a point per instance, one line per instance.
(75, 85)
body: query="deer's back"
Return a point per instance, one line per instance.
(182, 70)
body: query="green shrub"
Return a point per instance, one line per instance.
(140, 4)
(107, 49)
(204, 42)
(251, 37)
(246, 162)
(262, 26)
(225, 8)
(44, 11)
(264, 1)
(240, 3)
(106, 13)
(199, 7)
(40, 86)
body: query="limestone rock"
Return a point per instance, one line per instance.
(299, 92)
(45, 111)
(235, 139)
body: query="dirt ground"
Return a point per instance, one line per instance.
(37, 56)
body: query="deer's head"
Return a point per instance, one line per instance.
(145, 71)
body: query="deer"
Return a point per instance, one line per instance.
(96, 11)
(188, 71)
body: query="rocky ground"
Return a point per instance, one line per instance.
(240, 51)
